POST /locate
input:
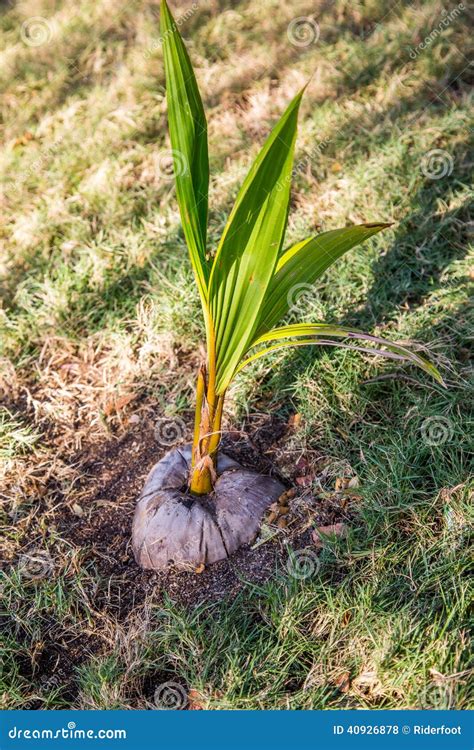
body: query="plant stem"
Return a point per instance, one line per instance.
(207, 433)
(200, 391)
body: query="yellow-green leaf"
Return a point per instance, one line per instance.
(250, 245)
(188, 134)
(318, 333)
(304, 263)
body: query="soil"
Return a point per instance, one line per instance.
(116, 473)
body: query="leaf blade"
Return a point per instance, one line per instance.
(305, 262)
(319, 333)
(250, 245)
(188, 135)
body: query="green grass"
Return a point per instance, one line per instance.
(98, 300)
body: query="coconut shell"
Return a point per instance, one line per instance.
(171, 527)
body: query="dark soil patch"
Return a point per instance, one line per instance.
(54, 668)
(116, 472)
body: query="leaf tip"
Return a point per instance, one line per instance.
(379, 224)
(165, 12)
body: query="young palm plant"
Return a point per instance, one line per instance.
(245, 289)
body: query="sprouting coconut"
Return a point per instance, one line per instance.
(198, 505)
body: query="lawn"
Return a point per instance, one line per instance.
(101, 339)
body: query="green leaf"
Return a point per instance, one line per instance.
(319, 333)
(304, 263)
(250, 245)
(188, 134)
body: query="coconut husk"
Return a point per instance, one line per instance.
(171, 527)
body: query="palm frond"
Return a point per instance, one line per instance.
(318, 333)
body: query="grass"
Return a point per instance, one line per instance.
(100, 323)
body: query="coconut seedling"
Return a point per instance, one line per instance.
(198, 505)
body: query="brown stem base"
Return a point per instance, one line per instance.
(207, 434)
